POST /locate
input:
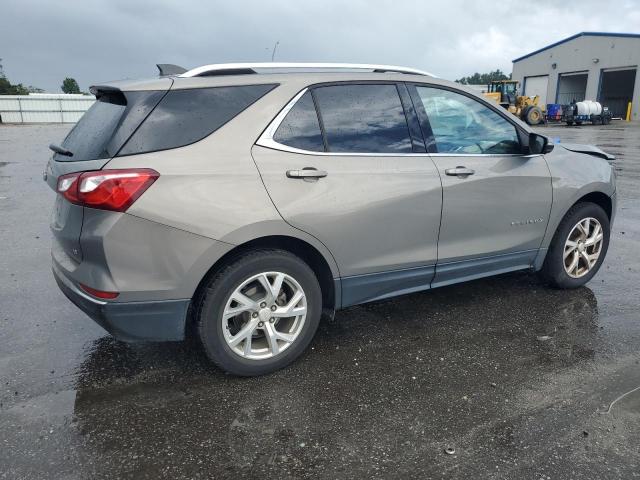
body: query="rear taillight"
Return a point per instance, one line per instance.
(106, 189)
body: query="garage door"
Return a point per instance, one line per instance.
(537, 86)
(572, 87)
(616, 90)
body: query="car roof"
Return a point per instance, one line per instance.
(244, 73)
(281, 78)
(295, 80)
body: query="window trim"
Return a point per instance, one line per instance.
(266, 137)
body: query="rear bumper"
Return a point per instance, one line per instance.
(162, 320)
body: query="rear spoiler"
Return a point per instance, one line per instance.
(108, 93)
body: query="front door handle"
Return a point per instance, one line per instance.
(459, 171)
(306, 172)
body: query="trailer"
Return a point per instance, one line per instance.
(588, 111)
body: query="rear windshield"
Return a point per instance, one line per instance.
(186, 116)
(110, 121)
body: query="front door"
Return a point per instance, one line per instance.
(496, 200)
(342, 165)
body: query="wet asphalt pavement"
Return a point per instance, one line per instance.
(519, 379)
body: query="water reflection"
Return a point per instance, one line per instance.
(383, 378)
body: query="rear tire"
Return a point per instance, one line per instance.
(559, 261)
(261, 319)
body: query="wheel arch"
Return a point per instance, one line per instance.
(301, 248)
(599, 198)
(596, 197)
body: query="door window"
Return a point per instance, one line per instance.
(463, 125)
(300, 127)
(363, 118)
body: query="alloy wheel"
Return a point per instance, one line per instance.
(264, 315)
(583, 247)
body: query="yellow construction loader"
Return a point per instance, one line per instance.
(505, 93)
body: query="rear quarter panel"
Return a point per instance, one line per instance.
(213, 188)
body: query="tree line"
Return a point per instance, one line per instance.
(484, 78)
(69, 85)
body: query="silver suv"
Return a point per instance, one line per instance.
(246, 200)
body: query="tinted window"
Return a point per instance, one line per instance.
(463, 125)
(300, 127)
(363, 118)
(110, 121)
(186, 116)
(89, 138)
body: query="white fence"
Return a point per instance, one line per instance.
(44, 107)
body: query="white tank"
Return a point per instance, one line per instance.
(589, 107)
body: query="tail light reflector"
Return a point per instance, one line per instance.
(99, 293)
(106, 189)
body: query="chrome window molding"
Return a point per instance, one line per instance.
(266, 140)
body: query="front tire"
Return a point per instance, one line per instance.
(259, 313)
(533, 115)
(578, 247)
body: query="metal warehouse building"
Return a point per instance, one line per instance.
(587, 66)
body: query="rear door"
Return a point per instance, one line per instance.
(343, 163)
(93, 141)
(496, 199)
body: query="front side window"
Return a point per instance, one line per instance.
(300, 127)
(363, 118)
(463, 125)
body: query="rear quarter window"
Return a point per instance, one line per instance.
(300, 127)
(187, 116)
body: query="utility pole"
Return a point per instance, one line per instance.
(273, 54)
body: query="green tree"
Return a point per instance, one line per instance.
(484, 78)
(7, 88)
(69, 85)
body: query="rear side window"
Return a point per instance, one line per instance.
(187, 116)
(300, 127)
(363, 118)
(107, 124)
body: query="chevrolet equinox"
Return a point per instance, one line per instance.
(244, 200)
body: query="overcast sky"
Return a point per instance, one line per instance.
(41, 42)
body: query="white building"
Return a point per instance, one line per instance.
(587, 66)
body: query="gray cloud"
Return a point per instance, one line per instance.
(41, 42)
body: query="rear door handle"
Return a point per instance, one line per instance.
(306, 172)
(459, 171)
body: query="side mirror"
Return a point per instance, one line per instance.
(539, 144)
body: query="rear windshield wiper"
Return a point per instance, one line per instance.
(60, 150)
